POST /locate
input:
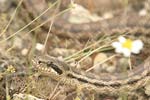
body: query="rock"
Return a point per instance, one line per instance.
(39, 47)
(143, 12)
(103, 63)
(21, 96)
(86, 63)
(98, 62)
(107, 15)
(147, 89)
(78, 14)
(123, 64)
(99, 58)
(24, 51)
(62, 52)
(18, 43)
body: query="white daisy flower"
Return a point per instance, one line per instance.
(127, 46)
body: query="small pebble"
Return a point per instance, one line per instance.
(98, 59)
(18, 42)
(108, 15)
(24, 51)
(143, 12)
(39, 46)
(86, 63)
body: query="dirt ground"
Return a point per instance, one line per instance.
(82, 37)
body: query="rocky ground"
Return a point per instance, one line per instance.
(20, 42)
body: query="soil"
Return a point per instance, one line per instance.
(18, 48)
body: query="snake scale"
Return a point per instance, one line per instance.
(112, 84)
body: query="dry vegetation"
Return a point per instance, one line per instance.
(40, 27)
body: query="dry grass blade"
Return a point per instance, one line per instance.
(52, 94)
(12, 17)
(49, 19)
(29, 23)
(100, 63)
(104, 46)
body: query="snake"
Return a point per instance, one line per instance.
(107, 83)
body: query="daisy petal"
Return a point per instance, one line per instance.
(135, 51)
(138, 44)
(126, 52)
(121, 39)
(116, 44)
(118, 50)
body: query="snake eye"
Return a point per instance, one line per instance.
(39, 62)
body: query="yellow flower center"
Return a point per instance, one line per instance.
(127, 44)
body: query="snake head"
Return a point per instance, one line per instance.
(48, 63)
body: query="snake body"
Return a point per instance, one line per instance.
(103, 84)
